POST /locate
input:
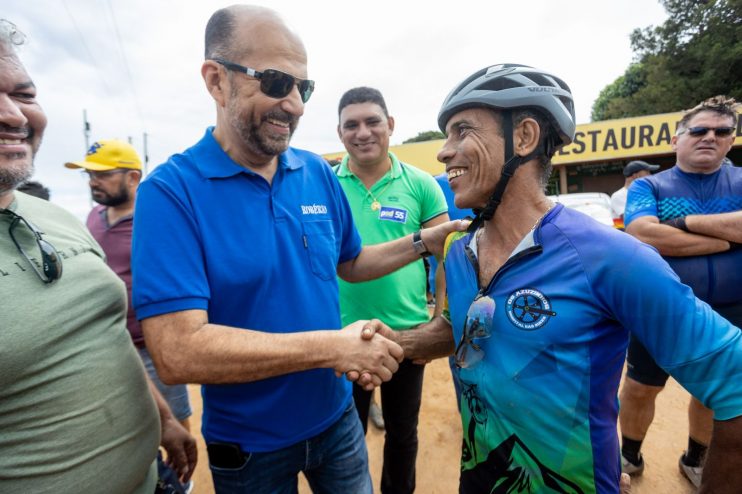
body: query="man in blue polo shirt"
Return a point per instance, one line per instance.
(540, 313)
(237, 244)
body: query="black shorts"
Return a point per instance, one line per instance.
(641, 366)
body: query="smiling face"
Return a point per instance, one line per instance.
(473, 154)
(364, 129)
(22, 122)
(258, 126)
(703, 154)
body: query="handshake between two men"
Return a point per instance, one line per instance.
(378, 349)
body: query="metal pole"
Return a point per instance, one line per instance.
(86, 129)
(146, 153)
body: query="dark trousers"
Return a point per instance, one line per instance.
(400, 404)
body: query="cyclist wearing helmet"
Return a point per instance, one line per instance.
(536, 310)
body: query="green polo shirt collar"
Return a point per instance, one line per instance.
(394, 172)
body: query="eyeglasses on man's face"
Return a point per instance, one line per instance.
(43, 257)
(273, 83)
(102, 176)
(702, 131)
(477, 325)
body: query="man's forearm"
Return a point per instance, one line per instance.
(674, 242)
(214, 354)
(378, 260)
(722, 473)
(427, 341)
(162, 407)
(726, 226)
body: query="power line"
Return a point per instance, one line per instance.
(122, 52)
(87, 50)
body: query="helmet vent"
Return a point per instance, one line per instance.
(498, 84)
(541, 80)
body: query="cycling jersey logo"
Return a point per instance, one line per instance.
(529, 309)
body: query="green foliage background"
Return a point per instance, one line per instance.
(695, 54)
(428, 135)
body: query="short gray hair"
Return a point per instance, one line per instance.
(10, 36)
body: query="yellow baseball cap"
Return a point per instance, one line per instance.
(109, 154)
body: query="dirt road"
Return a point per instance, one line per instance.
(440, 441)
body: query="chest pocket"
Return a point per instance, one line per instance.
(319, 242)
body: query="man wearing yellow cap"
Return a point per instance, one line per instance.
(114, 170)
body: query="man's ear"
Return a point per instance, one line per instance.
(390, 120)
(134, 178)
(216, 81)
(526, 137)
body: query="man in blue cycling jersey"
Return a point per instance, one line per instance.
(692, 214)
(537, 313)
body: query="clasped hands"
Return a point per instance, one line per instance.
(369, 354)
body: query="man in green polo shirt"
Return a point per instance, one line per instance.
(389, 199)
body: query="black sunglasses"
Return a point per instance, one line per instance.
(51, 262)
(273, 83)
(702, 131)
(477, 324)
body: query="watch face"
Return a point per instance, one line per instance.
(418, 245)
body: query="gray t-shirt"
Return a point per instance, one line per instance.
(76, 414)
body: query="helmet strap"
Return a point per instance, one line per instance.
(512, 162)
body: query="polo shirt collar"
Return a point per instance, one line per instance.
(103, 214)
(212, 162)
(344, 170)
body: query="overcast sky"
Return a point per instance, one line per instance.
(134, 65)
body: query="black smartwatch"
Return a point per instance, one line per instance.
(419, 245)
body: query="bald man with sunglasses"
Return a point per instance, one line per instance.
(692, 214)
(237, 245)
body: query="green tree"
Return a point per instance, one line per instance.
(695, 54)
(428, 135)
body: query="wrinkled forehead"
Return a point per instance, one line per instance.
(473, 116)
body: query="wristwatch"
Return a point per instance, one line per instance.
(419, 245)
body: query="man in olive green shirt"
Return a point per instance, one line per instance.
(389, 199)
(75, 411)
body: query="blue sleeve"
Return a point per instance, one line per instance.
(698, 347)
(167, 258)
(640, 201)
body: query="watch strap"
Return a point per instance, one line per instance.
(419, 245)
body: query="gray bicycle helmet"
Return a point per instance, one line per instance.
(509, 86)
(504, 88)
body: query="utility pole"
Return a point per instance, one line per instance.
(86, 129)
(146, 153)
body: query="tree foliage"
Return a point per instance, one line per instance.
(428, 135)
(695, 54)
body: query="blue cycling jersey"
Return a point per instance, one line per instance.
(714, 278)
(539, 410)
